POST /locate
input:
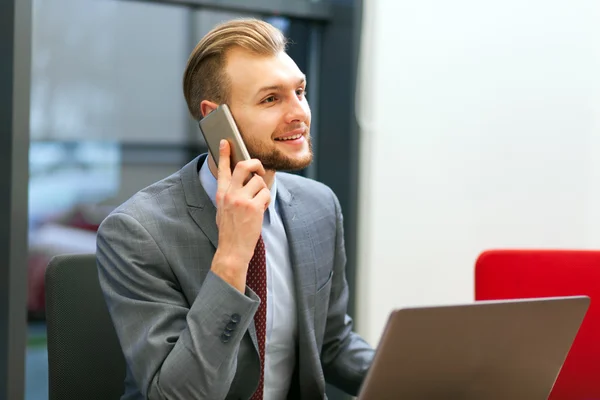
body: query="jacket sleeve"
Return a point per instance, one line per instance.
(174, 349)
(345, 356)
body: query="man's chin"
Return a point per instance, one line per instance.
(288, 164)
(298, 167)
(275, 159)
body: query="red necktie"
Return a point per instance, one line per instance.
(257, 281)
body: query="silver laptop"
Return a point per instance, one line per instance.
(509, 349)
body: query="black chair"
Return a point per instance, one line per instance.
(85, 360)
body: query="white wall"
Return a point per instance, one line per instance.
(480, 128)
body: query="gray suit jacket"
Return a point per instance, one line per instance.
(169, 310)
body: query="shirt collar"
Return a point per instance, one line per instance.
(209, 183)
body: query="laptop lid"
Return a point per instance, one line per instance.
(508, 349)
(533, 273)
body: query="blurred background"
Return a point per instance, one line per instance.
(445, 128)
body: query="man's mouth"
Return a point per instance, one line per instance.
(292, 137)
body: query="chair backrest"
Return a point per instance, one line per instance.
(85, 360)
(510, 274)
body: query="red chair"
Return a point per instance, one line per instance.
(513, 274)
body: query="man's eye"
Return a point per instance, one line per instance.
(269, 99)
(301, 92)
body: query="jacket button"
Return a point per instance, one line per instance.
(235, 318)
(225, 338)
(230, 327)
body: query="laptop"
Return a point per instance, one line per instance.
(508, 349)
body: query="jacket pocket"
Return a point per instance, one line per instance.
(327, 283)
(321, 309)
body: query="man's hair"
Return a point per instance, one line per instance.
(205, 77)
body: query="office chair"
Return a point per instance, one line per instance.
(85, 360)
(512, 274)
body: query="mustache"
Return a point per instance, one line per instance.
(293, 127)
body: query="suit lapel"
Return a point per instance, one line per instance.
(302, 254)
(203, 211)
(304, 264)
(200, 207)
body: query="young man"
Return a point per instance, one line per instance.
(201, 309)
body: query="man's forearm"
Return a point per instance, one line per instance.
(203, 362)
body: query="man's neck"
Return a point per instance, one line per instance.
(269, 176)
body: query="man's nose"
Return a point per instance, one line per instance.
(297, 109)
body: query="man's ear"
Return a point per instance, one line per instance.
(207, 106)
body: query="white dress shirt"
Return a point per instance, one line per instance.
(282, 322)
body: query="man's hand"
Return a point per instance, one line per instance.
(242, 198)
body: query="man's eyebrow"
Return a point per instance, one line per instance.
(276, 88)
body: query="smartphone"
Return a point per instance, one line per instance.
(217, 125)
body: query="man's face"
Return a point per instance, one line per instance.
(268, 102)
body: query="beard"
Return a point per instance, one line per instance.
(273, 158)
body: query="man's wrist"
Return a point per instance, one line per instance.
(231, 268)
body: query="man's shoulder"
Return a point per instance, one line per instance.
(293, 181)
(309, 190)
(156, 199)
(167, 195)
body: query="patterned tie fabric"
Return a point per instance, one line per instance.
(257, 281)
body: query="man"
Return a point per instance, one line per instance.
(202, 311)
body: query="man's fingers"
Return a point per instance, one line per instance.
(244, 169)
(254, 185)
(263, 197)
(224, 167)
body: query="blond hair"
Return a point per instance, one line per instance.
(205, 78)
